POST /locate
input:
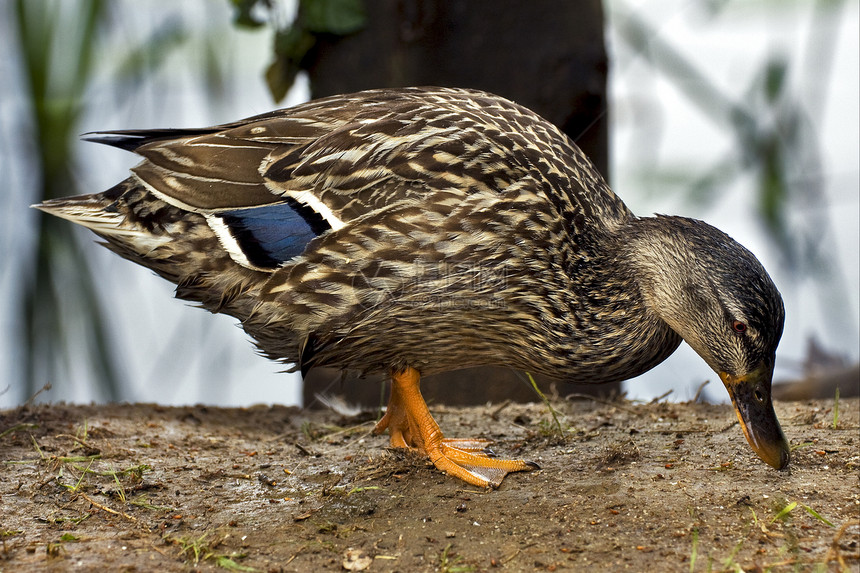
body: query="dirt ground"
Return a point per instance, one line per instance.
(661, 486)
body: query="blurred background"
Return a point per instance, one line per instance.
(743, 113)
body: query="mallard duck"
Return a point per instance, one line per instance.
(419, 230)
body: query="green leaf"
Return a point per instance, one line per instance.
(818, 516)
(244, 15)
(339, 17)
(695, 552)
(775, 74)
(361, 489)
(291, 45)
(547, 404)
(784, 511)
(280, 76)
(229, 564)
(835, 410)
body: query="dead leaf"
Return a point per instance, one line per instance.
(356, 560)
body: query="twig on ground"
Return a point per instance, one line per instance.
(660, 397)
(498, 410)
(106, 508)
(699, 391)
(44, 388)
(600, 401)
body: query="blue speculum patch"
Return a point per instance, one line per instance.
(272, 234)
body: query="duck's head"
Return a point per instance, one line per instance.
(718, 297)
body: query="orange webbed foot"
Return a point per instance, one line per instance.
(410, 425)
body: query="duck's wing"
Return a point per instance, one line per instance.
(273, 182)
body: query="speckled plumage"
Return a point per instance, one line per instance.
(446, 228)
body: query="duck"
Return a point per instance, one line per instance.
(417, 230)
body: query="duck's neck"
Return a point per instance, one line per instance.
(660, 253)
(617, 334)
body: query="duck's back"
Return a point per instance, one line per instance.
(351, 154)
(310, 217)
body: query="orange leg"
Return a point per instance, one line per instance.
(410, 425)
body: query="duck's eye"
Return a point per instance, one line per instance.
(739, 326)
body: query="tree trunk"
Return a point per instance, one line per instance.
(546, 55)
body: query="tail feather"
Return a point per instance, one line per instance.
(93, 212)
(131, 139)
(178, 245)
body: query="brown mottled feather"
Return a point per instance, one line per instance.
(465, 230)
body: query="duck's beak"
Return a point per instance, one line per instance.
(750, 393)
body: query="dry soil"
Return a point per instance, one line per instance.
(661, 486)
